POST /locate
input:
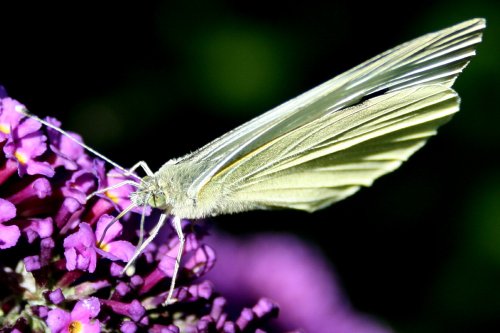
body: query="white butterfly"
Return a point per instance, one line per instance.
(321, 146)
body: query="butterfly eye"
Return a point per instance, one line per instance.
(157, 200)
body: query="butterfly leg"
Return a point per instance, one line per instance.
(147, 170)
(129, 172)
(143, 165)
(152, 235)
(176, 223)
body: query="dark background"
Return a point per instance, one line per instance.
(420, 250)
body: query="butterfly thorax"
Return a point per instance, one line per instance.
(168, 189)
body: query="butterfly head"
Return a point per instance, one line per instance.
(149, 193)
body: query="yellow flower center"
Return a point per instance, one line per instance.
(4, 129)
(75, 327)
(104, 247)
(112, 196)
(21, 157)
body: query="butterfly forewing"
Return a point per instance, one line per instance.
(435, 58)
(329, 159)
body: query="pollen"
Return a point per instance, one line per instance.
(4, 129)
(22, 158)
(112, 196)
(75, 327)
(104, 247)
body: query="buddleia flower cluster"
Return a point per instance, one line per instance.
(61, 267)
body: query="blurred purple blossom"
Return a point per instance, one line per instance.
(293, 274)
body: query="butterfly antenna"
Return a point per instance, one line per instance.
(24, 111)
(119, 216)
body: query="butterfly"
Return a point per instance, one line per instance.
(319, 147)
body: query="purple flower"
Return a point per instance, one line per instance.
(81, 318)
(38, 228)
(68, 153)
(198, 260)
(110, 248)
(80, 249)
(56, 296)
(133, 310)
(82, 183)
(119, 196)
(8, 118)
(25, 145)
(9, 234)
(299, 275)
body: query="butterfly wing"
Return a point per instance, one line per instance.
(435, 58)
(330, 158)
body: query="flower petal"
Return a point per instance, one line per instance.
(58, 321)
(86, 309)
(9, 235)
(80, 249)
(7, 210)
(118, 250)
(112, 232)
